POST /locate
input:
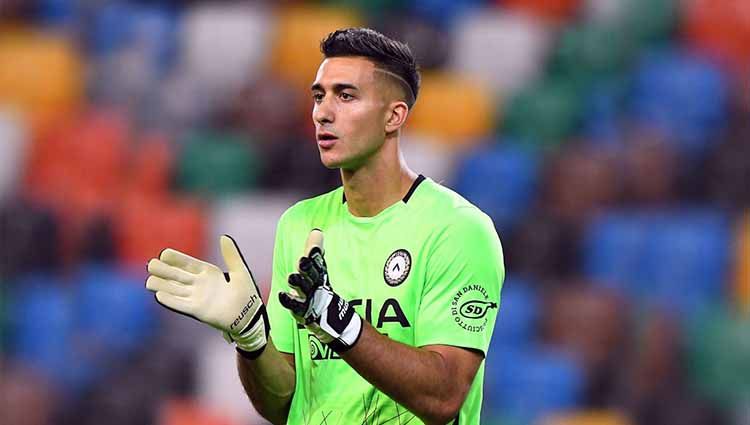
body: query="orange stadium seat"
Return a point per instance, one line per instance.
(151, 167)
(144, 226)
(452, 110)
(587, 418)
(41, 75)
(720, 28)
(189, 412)
(742, 274)
(296, 54)
(550, 10)
(79, 168)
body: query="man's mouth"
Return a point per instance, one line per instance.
(326, 140)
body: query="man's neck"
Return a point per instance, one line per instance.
(378, 184)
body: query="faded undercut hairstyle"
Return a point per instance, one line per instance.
(391, 56)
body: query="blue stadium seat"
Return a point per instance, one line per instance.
(603, 108)
(112, 307)
(118, 25)
(516, 319)
(523, 385)
(58, 12)
(501, 180)
(677, 260)
(682, 95)
(41, 325)
(444, 12)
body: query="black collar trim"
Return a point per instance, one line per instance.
(413, 187)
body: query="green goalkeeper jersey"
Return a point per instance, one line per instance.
(426, 270)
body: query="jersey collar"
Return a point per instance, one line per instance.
(420, 178)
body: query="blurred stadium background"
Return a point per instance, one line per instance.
(608, 139)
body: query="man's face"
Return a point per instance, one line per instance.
(349, 111)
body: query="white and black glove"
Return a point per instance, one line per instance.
(314, 304)
(228, 301)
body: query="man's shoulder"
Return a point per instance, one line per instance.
(304, 210)
(449, 208)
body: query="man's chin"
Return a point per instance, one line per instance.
(329, 161)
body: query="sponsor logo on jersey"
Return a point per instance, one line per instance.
(389, 312)
(397, 267)
(470, 306)
(320, 351)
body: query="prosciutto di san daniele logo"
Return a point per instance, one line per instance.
(470, 306)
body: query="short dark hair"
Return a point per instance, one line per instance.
(390, 55)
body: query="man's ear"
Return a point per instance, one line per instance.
(396, 116)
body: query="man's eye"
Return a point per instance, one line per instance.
(317, 97)
(346, 96)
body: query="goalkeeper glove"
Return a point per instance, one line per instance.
(229, 301)
(314, 304)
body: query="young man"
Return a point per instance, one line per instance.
(389, 320)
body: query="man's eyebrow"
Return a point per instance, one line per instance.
(336, 87)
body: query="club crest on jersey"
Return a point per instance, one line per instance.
(397, 267)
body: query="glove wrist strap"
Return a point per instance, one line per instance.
(349, 337)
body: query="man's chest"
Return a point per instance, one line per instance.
(381, 273)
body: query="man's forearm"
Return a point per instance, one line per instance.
(269, 381)
(416, 378)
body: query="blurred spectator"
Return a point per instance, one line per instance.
(26, 398)
(654, 387)
(591, 323)
(579, 183)
(650, 173)
(544, 246)
(30, 239)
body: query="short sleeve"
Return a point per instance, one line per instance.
(461, 294)
(283, 326)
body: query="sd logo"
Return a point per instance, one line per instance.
(476, 309)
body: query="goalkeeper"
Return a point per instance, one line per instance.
(384, 291)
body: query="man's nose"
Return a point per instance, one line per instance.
(323, 113)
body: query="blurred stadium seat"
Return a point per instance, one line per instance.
(676, 261)
(444, 96)
(665, 88)
(501, 180)
(41, 75)
(742, 265)
(429, 157)
(718, 348)
(296, 53)
(516, 326)
(13, 150)
(143, 227)
(587, 418)
(190, 412)
(721, 30)
(111, 309)
(245, 34)
(37, 342)
(524, 385)
(119, 26)
(216, 164)
(544, 114)
(518, 44)
(443, 12)
(78, 170)
(556, 11)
